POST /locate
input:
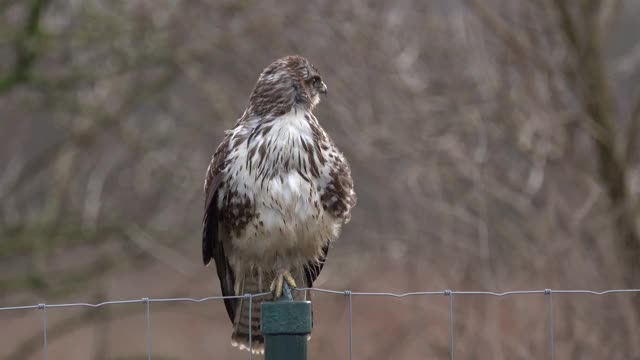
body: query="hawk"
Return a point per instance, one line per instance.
(277, 192)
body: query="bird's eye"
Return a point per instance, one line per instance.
(316, 80)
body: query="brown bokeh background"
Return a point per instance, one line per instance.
(494, 146)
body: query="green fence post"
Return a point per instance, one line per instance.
(285, 326)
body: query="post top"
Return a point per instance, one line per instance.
(286, 317)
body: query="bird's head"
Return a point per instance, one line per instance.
(289, 81)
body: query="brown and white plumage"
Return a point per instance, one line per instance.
(277, 191)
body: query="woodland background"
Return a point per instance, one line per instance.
(495, 145)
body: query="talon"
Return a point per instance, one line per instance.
(279, 287)
(272, 287)
(277, 284)
(290, 280)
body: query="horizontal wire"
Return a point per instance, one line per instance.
(327, 291)
(591, 292)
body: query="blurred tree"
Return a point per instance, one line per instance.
(25, 46)
(494, 146)
(585, 29)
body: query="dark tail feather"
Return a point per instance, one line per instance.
(242, 323)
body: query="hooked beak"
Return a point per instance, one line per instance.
(323, 91)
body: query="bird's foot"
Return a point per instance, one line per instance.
(278, 283)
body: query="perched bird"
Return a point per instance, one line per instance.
(277, 192)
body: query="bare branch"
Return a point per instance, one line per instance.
(608, 11)
(511, 38)
(633, 133)
(568, 25)
(25, 47)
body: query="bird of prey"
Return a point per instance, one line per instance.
(277, 192)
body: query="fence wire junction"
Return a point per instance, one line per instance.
(548, 293)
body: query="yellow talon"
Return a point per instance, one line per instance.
(290, 280)
(278, 283)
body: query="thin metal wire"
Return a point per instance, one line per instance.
(591, 292)
(146, 301)
(506, 293)
(250, 326)
(549, 294)
(45, 352)
(337, 292)
(21, 307)
(348, 293)
(449, 293)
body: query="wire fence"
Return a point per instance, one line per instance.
(548, 293)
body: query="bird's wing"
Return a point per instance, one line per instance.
(212, 234)
(337, 198)
(313, 268)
